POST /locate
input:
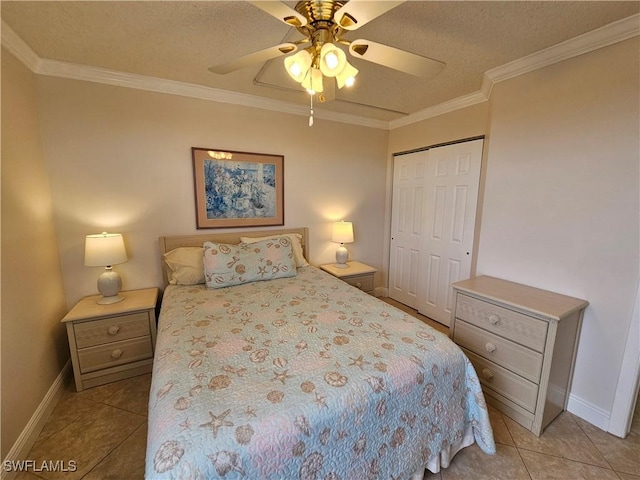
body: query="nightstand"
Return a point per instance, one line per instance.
(112, 342)
(357, 274)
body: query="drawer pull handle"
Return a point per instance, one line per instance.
(117, 353)
(359, 285)
(113, 329)
(494, 319)
(490, 347)
(487, 374)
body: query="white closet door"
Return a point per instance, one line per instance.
(407, 230)
(452, 180)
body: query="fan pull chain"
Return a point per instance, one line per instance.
(311, 112)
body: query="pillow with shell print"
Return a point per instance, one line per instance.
(226, 265)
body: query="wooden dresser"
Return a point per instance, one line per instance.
(522, 342)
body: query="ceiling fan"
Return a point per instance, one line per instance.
(323, 24)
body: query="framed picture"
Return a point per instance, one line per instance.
(237, 189)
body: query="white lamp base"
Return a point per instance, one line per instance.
(342, 255)
(109, 285)
(110, 300)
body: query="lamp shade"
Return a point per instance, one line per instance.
(332, 60)
(347, 75)
(298, 65)
(342, 232)
(104, 249)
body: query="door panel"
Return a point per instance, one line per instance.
(407, 226)
(451, 185)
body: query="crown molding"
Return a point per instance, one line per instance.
(12, 42)
(105, 76)
(601, 37)
(604, 36)
(445, 107)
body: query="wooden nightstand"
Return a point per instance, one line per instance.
(357, 274)
(112, 342)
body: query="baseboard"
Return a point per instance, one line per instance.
(36, 423)
(381, 292)
(587, 411)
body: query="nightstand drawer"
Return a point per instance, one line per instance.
(363, 282)
(112, 354)
(113, 329)
(514, 357)
(508, 384)
(512, 325)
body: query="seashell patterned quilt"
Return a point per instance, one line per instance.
(305, 378)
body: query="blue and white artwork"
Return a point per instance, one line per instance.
(239, 189)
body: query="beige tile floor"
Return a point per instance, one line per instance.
(103, 430)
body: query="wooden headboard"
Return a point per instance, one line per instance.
(168, 243)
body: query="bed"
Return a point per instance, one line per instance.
(299, 377)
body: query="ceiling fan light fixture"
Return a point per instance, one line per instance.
(313, 81)
(347, 77)
(298, 65)
(332, 60)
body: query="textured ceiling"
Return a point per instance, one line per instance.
(180, 40)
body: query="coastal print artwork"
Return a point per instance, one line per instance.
(237, 189)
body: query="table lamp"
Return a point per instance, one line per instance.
(342, 233)
(104, 250)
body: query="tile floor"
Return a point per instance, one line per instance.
(103, 430)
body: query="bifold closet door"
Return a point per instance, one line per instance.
(435, 195)
(407, 226)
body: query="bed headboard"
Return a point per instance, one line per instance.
(168, 243)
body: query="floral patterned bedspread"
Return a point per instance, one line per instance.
(303, 378)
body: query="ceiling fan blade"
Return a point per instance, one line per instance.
(356, 13)
(282, 12)
(254, 58)
(395, 58)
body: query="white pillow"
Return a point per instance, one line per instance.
(185, 265)
(296, 243)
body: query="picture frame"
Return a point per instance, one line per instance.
(237, 189)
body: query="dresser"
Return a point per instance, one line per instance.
(522, 342)
(357, 274)
(112, 342)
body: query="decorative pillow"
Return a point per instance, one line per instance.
(296, 244)
(184, 266)
(226, 265)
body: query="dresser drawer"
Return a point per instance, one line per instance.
(107, 330)
(513, 387)
(521, 360)
(363, 282)
(527, 331)
(112, 354)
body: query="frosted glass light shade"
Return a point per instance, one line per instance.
(347, 76)
(342, 232)
(332, 60)
(298, 65)
(313, 81)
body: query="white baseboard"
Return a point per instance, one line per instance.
(591, 413)
(381, 292)
(36, 423)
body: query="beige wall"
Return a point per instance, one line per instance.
(119, 160)
(562, 198)
(34, 346)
